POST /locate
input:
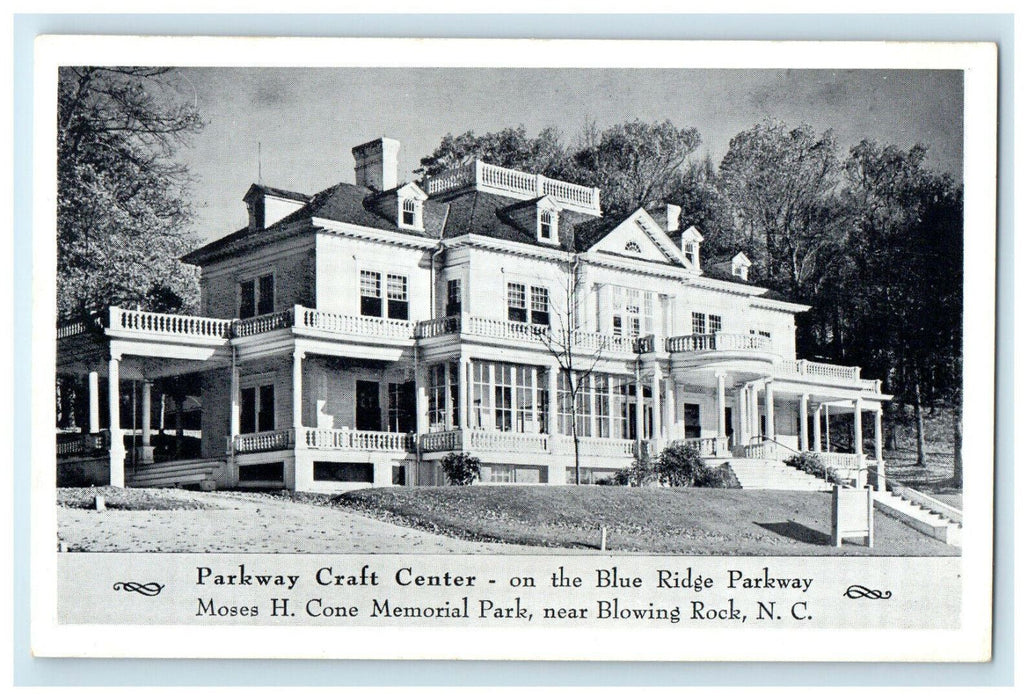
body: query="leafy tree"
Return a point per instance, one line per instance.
(509, 148)
(635, 163)
(461, 468)
(123, 206)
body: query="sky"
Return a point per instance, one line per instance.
(307, 119)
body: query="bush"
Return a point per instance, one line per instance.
(461, 468)
(71, 475)
(810, 463)
(678, 465)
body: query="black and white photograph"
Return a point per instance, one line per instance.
(697, 330)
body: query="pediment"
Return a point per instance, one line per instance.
(639, 237)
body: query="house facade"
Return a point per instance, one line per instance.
(356, 336)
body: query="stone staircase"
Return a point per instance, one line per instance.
(922, 513)
(194, 472)
(770, 474)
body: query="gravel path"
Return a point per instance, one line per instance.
(241, 522)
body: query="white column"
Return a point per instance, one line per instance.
(817, 430)
(655, 390)
(640, 431)
(803, 423)
(720, 408)
(742, 420)
(553, 377)
(670, 410)
(463, 378)
(420, 385)
(145, 415)
(296, 389)
(858, 432)
(878, 447)
(535, 400)
(770, 413)
(95, 403)
(235, 402)
(448, 376)
(117, 453)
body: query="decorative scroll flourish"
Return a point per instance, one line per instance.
(148, 589)
(856, 591)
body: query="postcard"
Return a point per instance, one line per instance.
(500, 349)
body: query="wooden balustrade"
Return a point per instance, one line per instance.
(265, 441)
(520, 184)
(497, 441)
(75, 444)
(707, 447)
(263, 324)
(705, 342)
(595, 446)
(447, 441)
(374, 326)
(368, 440)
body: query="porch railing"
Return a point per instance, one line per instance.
(506, 442)
(445, 441)
(707, 447)
(168, 324)
(820, 370)
(263, 324)
(702, 342)
(353, 325)
(76, 444)
(582, 341)
(369, 440)
(596, 446)
(265, 441)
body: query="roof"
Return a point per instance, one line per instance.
(342, 202)
(275, 192)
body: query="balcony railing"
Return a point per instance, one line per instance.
(367, 440)
(168, 324)
(704, 342)
(263, 324)
(514, 183)
(581, 341)
(78, 444)
(447, 441)
(596, 446)
(353, 325)
(265, 441)
(807, 368)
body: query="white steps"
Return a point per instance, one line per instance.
(756, 474)
(919, 518)
(180, 473)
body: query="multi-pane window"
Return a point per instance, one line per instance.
(401, 407)
(504, 395)
(507, 397)
(524, 398)
(454, 305)
(519, 309)
(540, 306)
(257, 409)
(481, 395)
(409, 212)
(547, 224)
(437, 397)
(370, 293)
(602, 408)
(633, 314)
(714, 323)
(517, 305)
(398, 297)
(256, 296)
(697, 323)
(390, 300)
(592, 408)
(764, 334)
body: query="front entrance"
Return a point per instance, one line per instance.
(368, 405)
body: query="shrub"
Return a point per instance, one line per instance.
(681, 465)
(641, 473)
(461, 468)
(721, 477)
(72, 475)
(811, 463)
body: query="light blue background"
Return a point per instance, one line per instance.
(30, 671)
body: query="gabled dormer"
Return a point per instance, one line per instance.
(403, 206)
(638, 237)
(739, 266)
(690, 243)
(539, 218)
(268, 205)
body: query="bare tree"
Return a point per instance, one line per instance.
(576, 352)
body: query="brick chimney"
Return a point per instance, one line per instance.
(377, 164)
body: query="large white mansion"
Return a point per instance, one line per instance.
(357, 335)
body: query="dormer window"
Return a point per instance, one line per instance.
(690, 250)
(691, 240)
(411, 214)
(547, 225)
(739, 266)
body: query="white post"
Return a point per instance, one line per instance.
(817, 430)
(640, 431)
(670, 410)
(462, 390)
(878, 447)
(720, 409)
(770, 413)
(145, 416)
(742, 419)
(296, 390)
(553, 377)
(803, 423)
(117, 453)
(235, 402)
(420, 380)
(858, 432)
(95, 403)
(655, 390)
(535, 400)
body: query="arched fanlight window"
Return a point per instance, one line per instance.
(633, 247)
(547, 224)
(409, 212)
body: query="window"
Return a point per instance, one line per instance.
(547, 224)
(697, 326)
(442, 393)
(633, 314)
(398, 297)
(602, 397)
(540, 306)
(257, 409)
(764, 334)
(409, 212)
(524, 399)
(714, 324)
(504, 395)
(691, 420)
(633, 247)
(369, 293)
(392, 302)
(507, 397)
(401, 407)
(481, 395)
(517, 307)
(256, 296)
(454, 305)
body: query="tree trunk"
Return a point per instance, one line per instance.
(918, 417)
(957, 447)
(575, 439)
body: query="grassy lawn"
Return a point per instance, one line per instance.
(690, 521)
(130, 499)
